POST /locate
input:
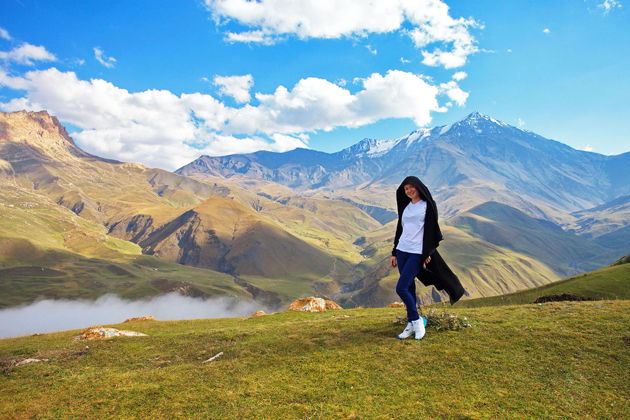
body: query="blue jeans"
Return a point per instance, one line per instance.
(408, 266)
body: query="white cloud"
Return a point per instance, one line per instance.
(317, 104)
(448, 59)
(252, 37)
(4, 34)
(454, 92)
(404, 60)
(27, 54)
(608, 5)
(100, 56)
(160, 128)
(587, 148)
(520, 123)
(460, 75)
(235, 86)
(546, 31)
(372, 50)
(509, 50)
(425, 22)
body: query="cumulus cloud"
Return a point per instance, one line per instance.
(424, 22)
(372, 50)
(106, 61)
(317, 104)
(27, 54)
(58, 315)
(404, 60)
(454, 92)
(546, 31)
(520, 123)
(460, 75)
(4, 34)
(162, 129)
(587, 148)
(237, 87)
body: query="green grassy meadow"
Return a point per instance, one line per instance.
(612, 282)
(555, 360)
(60, 274)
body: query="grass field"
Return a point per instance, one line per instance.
(555, 360)
(612, 282)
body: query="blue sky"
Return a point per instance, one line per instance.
(160, 82)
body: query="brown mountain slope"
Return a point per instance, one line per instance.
(178, 218)
(224, 235)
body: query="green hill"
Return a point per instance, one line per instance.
(612, 282)
(557, 360)
(56, 274)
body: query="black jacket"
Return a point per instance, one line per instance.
(437, 273)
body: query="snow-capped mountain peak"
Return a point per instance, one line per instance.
(476, 118)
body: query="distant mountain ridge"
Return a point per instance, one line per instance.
(277, 226)
(486, 158)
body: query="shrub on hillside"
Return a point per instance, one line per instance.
(440, 320)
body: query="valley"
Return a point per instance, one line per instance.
(517, 211)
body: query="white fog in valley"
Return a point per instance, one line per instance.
(59, 315)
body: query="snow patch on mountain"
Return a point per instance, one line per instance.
(380, 147)
(417, 135)
(445, 129)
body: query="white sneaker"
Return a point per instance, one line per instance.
(406, 332)
(418, 327)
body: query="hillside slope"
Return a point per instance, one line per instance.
(545, 241)
(525, 361)
(612, 282)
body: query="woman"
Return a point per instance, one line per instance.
(417, 237)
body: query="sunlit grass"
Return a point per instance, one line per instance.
(554, 360)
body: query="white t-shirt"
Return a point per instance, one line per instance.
(413, 227)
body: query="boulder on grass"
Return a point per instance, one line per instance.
(312, 304)
(257, 314)
(102, 332)
(330, 305)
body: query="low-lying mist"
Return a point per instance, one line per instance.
(59, 315)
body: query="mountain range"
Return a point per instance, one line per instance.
(517, 210)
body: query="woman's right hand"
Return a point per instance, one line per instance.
(392, 261)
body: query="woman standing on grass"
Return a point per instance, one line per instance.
(415, 252)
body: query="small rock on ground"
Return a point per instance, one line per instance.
(141, 318)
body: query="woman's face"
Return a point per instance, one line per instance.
(411, 192)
